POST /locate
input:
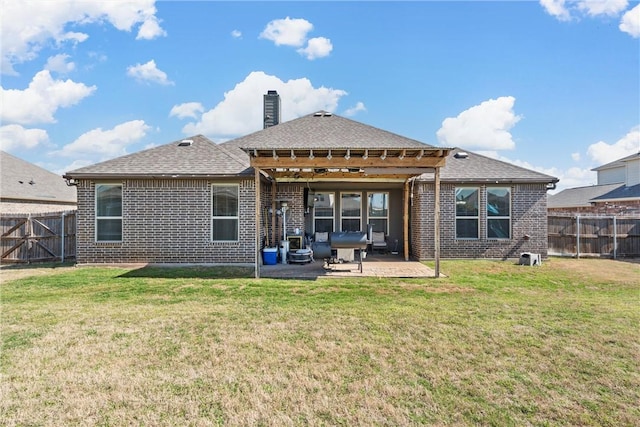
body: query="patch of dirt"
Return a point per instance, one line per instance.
(602, 269)
(9, 273)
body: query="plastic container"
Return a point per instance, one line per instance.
(270, 256)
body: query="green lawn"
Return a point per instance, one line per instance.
(491, 344)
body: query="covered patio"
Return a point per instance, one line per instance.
(364, 165)
(392, 266)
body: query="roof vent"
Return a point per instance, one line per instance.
(185, 143)
(322, 114)
(461, 155)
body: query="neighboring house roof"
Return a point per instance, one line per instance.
(580, 196)
(465, 166)
(195, 156)
(620, 193)
(617, 163)
(325, 130)
(25, 181)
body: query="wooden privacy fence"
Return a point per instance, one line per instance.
(600, 236)
(38, 237)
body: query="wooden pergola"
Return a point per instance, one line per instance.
(350, 164)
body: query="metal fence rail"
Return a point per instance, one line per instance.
(38, 237)
(589, 235)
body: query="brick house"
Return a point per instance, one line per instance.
(194, 201)
(26, 188)
(617, 191)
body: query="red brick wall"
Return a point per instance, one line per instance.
(165, 221)
(528, 218)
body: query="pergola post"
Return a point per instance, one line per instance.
(436, 218)
(274, 206)
(405, 220)
(258, 221)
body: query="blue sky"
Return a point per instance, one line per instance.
(552, 85)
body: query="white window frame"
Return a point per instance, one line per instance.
(236, 217)
(369, 218)
(489, 218)
(333, 211)
(97, 218)
(467, 217)
(342, 217)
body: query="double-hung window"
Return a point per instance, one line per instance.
(351, 210)
(498, 212)
(467, 219)
(224, 215)
(323, 212)
(378, 211)
(108, 212)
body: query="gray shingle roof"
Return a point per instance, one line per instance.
(22, 180)
(579, 196)
(318, 130)
(475, 168)
(623, 192)
(202, 158)
(324, 130)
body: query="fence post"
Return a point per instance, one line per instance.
(62, 238)
(29, 233)
(615, 238)
(577, 236)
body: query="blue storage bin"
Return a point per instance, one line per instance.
(270, 256)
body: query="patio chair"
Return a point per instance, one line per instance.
(378, 241)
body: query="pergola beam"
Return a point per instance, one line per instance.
(341, 162)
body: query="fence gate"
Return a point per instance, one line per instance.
(38, 237)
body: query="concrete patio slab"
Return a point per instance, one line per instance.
(372, 266)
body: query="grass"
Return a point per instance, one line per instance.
(491, 344)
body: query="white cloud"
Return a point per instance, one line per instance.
(602, 153)
(287, 31)
(106, 144)
(317, 47)
(148, 73)
(630, 22)
(187, 109)
(15, 136)
(572, 177)
(241, 110)
(568, 10)
(565, 11)
(25, 27)
(76, 164)
(39, 102)
(602, 7)
(355, 110)
(236, 34)
(150, 29)
(58, 63)
(557, 9)
(485, 126)
(575, 157)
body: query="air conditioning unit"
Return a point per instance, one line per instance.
(529, 258)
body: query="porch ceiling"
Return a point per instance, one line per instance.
(342, 164)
